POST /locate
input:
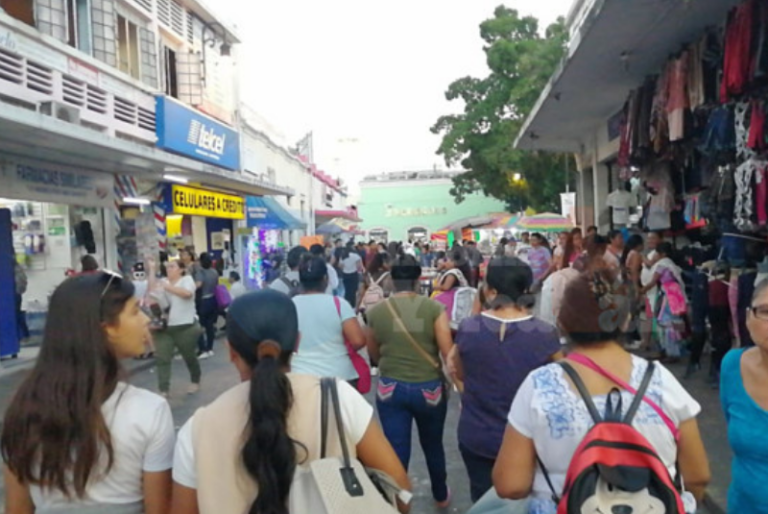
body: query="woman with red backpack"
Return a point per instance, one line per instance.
(579, 438)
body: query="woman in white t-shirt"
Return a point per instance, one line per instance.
(183, 330)
(351, 268)
(549, 419)
(219, 468)
(75, 438)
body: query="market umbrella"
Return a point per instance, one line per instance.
(506, 221)
(545, 222)
(473, 221)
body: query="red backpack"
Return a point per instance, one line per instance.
(615, 469)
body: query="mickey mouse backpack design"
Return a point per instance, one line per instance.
(615, 469)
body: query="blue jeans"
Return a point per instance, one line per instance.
(479, 470)
(399, 404)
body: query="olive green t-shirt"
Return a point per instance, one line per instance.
(399, 359)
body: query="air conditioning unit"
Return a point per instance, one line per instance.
(61, 111)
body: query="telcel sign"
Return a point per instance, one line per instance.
(184, 131)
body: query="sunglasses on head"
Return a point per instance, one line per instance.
(113, 276)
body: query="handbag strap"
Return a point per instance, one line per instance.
(589, 363)
(421, 351)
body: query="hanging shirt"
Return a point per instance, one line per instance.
(621, 201)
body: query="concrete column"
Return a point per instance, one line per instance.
(601, 181)
(585, 198)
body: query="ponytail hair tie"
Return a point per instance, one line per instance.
(269, 348)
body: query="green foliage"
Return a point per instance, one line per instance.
(520, 60)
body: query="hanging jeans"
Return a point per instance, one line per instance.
(399, 405)
(351, 285)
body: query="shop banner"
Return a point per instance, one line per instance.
(56, 184)
(208, 204)
(187, 132)
(568, 206)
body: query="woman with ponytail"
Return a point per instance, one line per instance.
(240, 453)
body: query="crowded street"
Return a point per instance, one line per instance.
(443, 256)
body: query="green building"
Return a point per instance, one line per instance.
(413, 205)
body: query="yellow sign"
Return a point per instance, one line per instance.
(199, 202)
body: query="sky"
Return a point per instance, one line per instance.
(368, 79)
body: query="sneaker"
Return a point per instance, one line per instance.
(374, 371)
(204, 355)
(634, 345)
(210, 354)
(178, 358)
(193, 388)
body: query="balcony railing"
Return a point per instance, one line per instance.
(36, 70)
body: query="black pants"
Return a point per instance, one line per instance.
(480, 471)
(351, 285)
(719, 320)
(209, 313)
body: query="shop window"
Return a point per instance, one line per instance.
(171, 73)
(128, 47)
(22, 10)
(79, 25)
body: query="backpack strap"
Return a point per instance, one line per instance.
(324, 392)
(633, 408)
(579, 383)
(586, 361)
(381, 278)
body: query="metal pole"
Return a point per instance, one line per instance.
(567, 176)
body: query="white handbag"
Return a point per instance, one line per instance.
(333, 485)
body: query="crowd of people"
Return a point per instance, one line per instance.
(546, 353)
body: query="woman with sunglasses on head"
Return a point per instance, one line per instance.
(75, 437)
(240, 453)
(182, 331)
(744, 396)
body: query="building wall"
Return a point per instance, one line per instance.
(403, 205)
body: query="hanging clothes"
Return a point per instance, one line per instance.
(742, 114)
(695, 82)
(737, 63)
(720, 132)
(662, 199)
(677, 101)
(744, 209)
(659, 122)
(761, 195)
(712, 61)
(756, 138)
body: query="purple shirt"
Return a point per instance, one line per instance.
(494, 369)
(539, 260)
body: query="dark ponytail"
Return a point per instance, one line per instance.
(269, 453)
(262, 327)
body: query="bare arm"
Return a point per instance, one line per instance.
(375, 451)
(353, 333)
(184, 500)
(17, 497)
(443, 335)
(455, 364)
(374, 350)
(515, 466)
(447, 283)
(157, 492)
(692, 458)
(634, 266)
(653, 283)
(178, 291)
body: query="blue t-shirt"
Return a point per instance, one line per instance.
(321, 351)
(494, 368)
(747, 426)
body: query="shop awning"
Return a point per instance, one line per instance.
(266, 213)
(614, 45)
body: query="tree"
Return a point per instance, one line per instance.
(521, 60)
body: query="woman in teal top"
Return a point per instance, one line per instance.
(744, 395)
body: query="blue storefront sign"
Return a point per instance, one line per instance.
(184, 131)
